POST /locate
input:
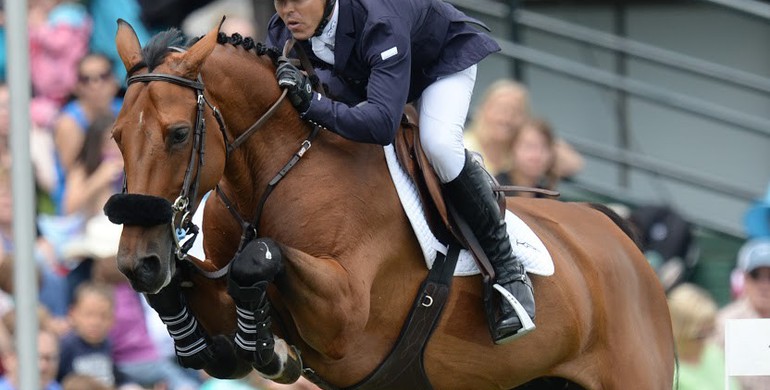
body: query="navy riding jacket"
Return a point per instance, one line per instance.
(386, 53)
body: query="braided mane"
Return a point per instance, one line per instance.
(171, 40)
(248, 43)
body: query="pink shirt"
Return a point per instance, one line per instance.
(131, 341)
(55, 49)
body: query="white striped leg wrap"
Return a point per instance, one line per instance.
(183, 328)
(247, 338)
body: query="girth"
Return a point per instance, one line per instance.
(403, 368)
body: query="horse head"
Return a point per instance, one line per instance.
(158, 132)
(161, 134)
(186, 112)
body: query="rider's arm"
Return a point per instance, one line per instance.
(375, 120)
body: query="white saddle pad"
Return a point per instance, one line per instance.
(525, 243)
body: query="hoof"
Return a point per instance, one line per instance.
(226, 364)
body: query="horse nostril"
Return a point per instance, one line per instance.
(148, 268)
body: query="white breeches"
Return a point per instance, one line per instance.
(443, 108)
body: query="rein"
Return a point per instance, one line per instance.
(182, 205)
(250, 231)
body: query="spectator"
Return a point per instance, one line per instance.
(504, 108)
(668, 241)
(59, 31)
(48, 354)
(6, 211)
(41, 141)
(495, 133)
(52, 285)
(6, 341)
(534, 158)
(96, 95)
(240, 18)
(754, 301)
(44, 320)
(87, 350)
(756, 223)
(97, 171)
(701, 362)
(83, 382)
(757, 218)
(134, 353)
(104, 14)
(3, 48)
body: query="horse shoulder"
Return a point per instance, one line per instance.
(319, 290)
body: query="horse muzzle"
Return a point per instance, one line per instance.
(149, 273)
(146, 257)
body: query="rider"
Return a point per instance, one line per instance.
(374, 56)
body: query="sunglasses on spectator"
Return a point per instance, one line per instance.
(88, 79)
(758, 275)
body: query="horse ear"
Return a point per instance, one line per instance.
(129, 49)
(193, 58)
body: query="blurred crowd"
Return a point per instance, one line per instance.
(97, 333)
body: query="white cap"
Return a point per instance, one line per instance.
(754, 254)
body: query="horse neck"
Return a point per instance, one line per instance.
(243, 87)
(335, 178)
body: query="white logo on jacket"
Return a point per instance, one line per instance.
(389, 53)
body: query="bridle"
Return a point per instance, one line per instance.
(181, 209)
(182, 204)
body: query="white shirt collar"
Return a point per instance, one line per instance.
(323, 45)
(330, 31)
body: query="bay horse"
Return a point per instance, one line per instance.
(342, 266)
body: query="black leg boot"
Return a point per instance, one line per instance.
(251, 271)
(471, 194)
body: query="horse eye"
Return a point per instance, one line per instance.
(179, 135)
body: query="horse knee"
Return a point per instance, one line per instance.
(253, 268)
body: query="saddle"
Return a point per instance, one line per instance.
(442, 223)
(446, 225)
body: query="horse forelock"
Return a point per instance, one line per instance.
(158, 48)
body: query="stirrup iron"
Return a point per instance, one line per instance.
(527, 325)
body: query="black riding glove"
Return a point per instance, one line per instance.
(300, 91)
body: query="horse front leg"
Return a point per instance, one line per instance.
(251, 271)
(193, 346)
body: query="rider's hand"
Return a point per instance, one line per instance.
(297, 84)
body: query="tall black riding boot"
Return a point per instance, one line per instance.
(471, 194)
